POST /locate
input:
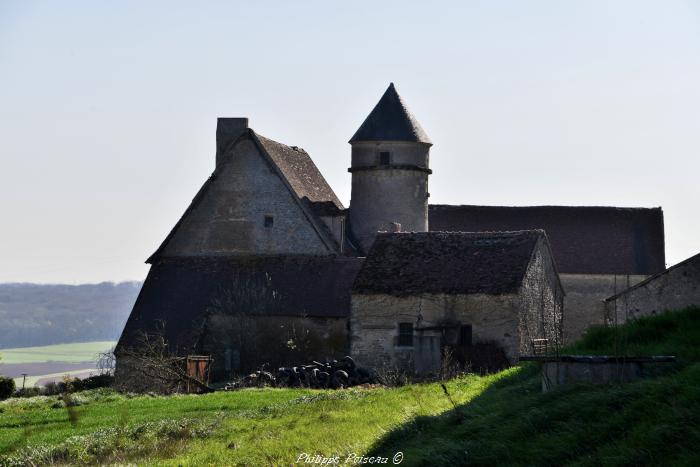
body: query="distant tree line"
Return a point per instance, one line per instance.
(44, 314)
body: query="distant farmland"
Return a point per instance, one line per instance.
(51, 362)
(47, 314)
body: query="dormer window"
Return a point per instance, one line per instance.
(384, 158)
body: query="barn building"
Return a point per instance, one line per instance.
(422, 296)
(260, 267)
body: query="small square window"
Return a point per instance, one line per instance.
(384, 158)
(269, 220)
(405, 335)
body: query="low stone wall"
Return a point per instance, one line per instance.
(676, 288)
(561, 373)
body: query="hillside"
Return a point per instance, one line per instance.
(500, 419)
(39, 314)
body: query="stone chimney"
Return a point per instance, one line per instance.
(227, 131)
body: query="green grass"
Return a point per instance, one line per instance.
(505, 419)
(77, 352)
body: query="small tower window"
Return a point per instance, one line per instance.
(269, 221)
(384, 158)
(405, 335)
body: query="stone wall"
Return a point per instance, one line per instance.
(374, 325)
(229, 218)
(676, 288)
(366, 153)
(583, 303)
(541, 303)
(241, 344)
(510, 321)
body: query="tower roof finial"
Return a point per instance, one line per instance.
(390, 120)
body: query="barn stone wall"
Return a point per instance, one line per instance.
(229, 219)
(374, 324)
(240, 344)
(676, 288)
(541, 303)
(583, 303)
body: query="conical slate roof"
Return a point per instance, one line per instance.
(390, 120)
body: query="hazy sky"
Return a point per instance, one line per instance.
(108, 109)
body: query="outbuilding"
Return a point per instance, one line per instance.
(422, 297)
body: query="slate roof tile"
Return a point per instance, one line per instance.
(390, 120)
(584, 239)
(179, 292)
(406, 263)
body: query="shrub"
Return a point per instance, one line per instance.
(7, 387)
(92, 382)
(392, 376)
(28, 392)
(76, 385)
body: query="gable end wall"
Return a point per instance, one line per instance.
(676, 288)
(541, 302)
(229, 218)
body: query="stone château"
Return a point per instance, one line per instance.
(266, 265)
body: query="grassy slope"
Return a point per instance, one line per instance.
(33, 421)
(507, 420)
(655, 421)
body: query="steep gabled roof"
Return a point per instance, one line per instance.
(179, 293)
(584, 240)
(390, 120)
(298, 172)
(446, 262)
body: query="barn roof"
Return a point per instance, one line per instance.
(179, 292)
(300, 171)
(390, 120)
(584, 240)
(446, 262)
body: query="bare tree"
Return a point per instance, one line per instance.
(151, 365)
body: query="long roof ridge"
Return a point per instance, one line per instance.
(533, 206)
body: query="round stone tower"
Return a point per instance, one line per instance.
(389, 172)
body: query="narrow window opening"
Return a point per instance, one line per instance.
(465, 335)
(384, 158)
(405, 335)
(269, 221)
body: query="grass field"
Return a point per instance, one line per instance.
(501, 419)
